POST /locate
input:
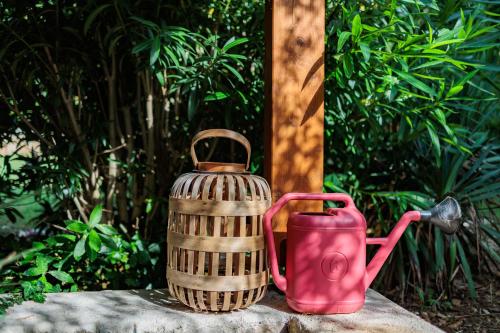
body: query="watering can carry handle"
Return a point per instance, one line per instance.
(279, 279)
(221, 133)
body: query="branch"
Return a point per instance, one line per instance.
(80, 210)
(15, 108)
(71, 112)
(112, 150)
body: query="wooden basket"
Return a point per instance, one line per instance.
(217, 259)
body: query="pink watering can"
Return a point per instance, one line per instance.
(326, 268)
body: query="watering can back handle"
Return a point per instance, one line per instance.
(279, 279)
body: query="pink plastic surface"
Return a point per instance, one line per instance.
(326, 255)
(387, 245)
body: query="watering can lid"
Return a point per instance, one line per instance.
(333, 218)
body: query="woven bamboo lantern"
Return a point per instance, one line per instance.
(217, 258)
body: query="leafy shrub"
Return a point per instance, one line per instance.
(410, 97)
(82, 256)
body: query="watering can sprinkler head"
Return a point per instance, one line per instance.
(446, 215)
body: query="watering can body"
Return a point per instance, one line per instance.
(326, 269)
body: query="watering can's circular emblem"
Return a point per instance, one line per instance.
(334, 266)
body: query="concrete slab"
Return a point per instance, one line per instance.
(154, 311)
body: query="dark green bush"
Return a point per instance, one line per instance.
(80, 256)
(411, 103)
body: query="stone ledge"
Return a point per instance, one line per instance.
(154, 311)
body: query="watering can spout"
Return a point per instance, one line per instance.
(446, 215)
(387, 245)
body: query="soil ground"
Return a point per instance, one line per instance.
(461, 313)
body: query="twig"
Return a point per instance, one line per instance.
(478, 314)
(454, 273)
(80, 210)
(61, 228)
(111, 150)
(20, 115)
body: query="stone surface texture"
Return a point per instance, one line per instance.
(155, 311)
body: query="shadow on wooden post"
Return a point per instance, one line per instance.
(294, 113)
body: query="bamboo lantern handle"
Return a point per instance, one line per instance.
(220, 166)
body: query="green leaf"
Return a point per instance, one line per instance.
(38, 246)
(62, 276)
(171, 56)
(348, 65)
(192, 104)
(344, 36)
(439, 249)
(430, 32)
(232, 42)
(159, 76)
(357, 27)
(490, 251)
(33, 291)
(77, 227)
(235, 56)
(65, 237)
(453, 255)
(35, 271)
(492, 233)
(466, 270)
(415, 82)
(43, 261)
(155, 51)
(446, 42)
(106, 229)
(216, 96)
(94, 241)
(149, 205)
(91, 255)
(95, 216)
(435, 142)
(412, 246)
(145, 22)
(141, 47)
(79, 250)
(454, 90)
(92, 17)
(440, 116)
(365, 50)
(234, 72)
(108, 242)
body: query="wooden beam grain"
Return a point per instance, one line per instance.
(294, 115)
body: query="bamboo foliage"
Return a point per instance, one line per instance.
(107, 104)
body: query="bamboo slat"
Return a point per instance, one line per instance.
(216, 244)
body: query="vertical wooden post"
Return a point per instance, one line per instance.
(294, 113)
